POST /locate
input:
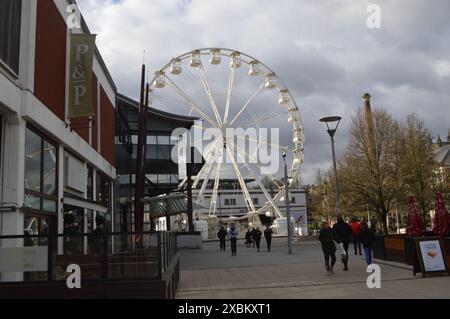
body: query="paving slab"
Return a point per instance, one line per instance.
(210, 274)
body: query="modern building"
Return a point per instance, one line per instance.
(162, 173)
(55, 173)
(231, 204)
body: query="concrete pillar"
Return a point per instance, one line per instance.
(13, 172)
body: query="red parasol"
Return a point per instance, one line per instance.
(416, 225)
(441, 225)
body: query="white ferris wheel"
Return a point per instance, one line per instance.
(229, 91)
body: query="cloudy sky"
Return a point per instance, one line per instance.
(323, 50)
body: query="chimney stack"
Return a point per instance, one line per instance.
(370, 137)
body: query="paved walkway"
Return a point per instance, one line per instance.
(210, 274)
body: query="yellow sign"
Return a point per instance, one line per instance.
(82, 48)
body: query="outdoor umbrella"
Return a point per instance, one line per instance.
(416, 225)
(441, 225)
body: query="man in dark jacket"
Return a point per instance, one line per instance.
(342, 232)
(222, 235)
(328, 247)
(268, 232)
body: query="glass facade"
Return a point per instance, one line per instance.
(41, 162)
(10, 21)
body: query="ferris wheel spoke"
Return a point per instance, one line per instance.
(262, 187)
(247, 197)
(271, 117)
(271, 145)
(274, 179)
(248, 103)
(213, 204)
(210, 156)
(189, 101)
(229, 94)
(207, 87)
(205, 181)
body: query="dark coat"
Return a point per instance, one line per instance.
(257, 235)
(367, 238)
(342, 232)
(222, 234)
(248, 236)
(268, 233)
(326, 238)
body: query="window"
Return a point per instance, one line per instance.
(164, 152)
(151, 140)
(255, 201)
(40, 173)
(293, 200)
(103, 190)
(163, 140)
(152, 152)
(153, 178)
(164, 178)
(124, 179)
(90, 183)
(10, 19)
(230, 201)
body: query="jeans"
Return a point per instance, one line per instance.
(222, 244)
(233, 241)
(357, 244)
(368, 252)
(327, 260)
(346, 243)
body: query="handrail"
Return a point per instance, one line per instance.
(81, 235)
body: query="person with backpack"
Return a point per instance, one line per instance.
(342, 232)
(222, 235)
(326, 239)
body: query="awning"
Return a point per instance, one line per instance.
(167, 205)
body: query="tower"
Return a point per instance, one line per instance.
(369, 130)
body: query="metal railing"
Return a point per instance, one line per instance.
(100, 256)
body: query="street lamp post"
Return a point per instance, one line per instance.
(332, 126)
(288, 204)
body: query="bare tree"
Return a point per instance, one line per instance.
(372, 178)
(418, 166)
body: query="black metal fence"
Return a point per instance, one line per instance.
(100, 256)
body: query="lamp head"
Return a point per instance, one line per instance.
(332, 123)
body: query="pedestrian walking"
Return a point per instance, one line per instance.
(233, 233)
(253, 232)
(222, 235)
(368, 240)
(268, 232)
(373, 226)
(248, 238)
(257, 238)
(356, 230)
(342, 232)
(326, 239)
